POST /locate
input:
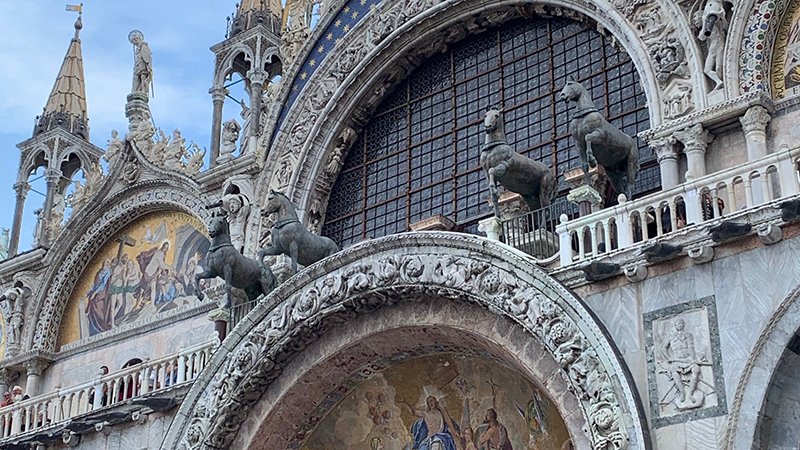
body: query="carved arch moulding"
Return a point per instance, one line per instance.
(405, 268)
(377, 53)
(75, 248)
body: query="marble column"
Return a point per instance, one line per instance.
(21, 189)
(53, 176)
(257, 79)
(695, 141)
(217, 98)
(667, 157)
(35, 367)
(754, 125)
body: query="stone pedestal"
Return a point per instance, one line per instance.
(587, 199)
(137, 109)
(435, 223)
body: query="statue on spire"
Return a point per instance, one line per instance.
(143, 64)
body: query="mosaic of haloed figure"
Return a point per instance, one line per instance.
(437, 402)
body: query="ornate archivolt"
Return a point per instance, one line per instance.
(392, 39)
(68, 258)
(752, 35)
(406, 268)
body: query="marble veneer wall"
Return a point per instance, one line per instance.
(747, 281)
(152, 344)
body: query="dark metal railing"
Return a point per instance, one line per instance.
(535, 232)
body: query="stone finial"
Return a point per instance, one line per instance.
(755, 119)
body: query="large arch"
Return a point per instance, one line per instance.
(394, 37)
(81, 239)
(399, 269)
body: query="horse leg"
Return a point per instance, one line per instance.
(293, 250)
(591, 138)
(228, 273)
(493, 192)
(202, 276)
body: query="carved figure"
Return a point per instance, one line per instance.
(531, 179)
(238, 271)
(599, 142)
(174, 151)
(195, 160)
(290, 238)
(681, 363)
(114, 149)
(143, 63)
(230, 134)
(238, 208)
(713, 31)
(14, 299)
(247, 120)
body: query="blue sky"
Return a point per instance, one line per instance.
(36, 36)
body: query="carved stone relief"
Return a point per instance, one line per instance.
(684, 363)
(677, 99)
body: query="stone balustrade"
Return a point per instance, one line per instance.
(735, 189)
(113, 388)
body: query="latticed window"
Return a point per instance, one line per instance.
(419, 155)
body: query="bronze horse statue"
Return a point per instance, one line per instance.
(290, 237)
(224, 260)
(599, 142)
(529, 178)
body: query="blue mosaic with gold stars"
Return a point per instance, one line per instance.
(346, 19)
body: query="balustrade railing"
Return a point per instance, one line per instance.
(535, 232)
(238, 312)
(63, 404)
(696, 201)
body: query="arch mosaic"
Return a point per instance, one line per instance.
(436, 339)
(753, 386)
(754, 27)
(377, 53)
(402, 268)
(78, 244)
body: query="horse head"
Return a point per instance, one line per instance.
(572, 90)
(218, 226)
(493, 120)
(277, 202)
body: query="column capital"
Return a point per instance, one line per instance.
(755, 119)
(52, 175)
(694, 138)
(218, 93)
(36, 366)
(257, 76)
(7, 376)
(22, 188)
(663, 148)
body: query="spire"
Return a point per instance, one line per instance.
(66, 107)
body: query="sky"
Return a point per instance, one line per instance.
(36, 37)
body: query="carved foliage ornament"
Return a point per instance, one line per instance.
(365, 286)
